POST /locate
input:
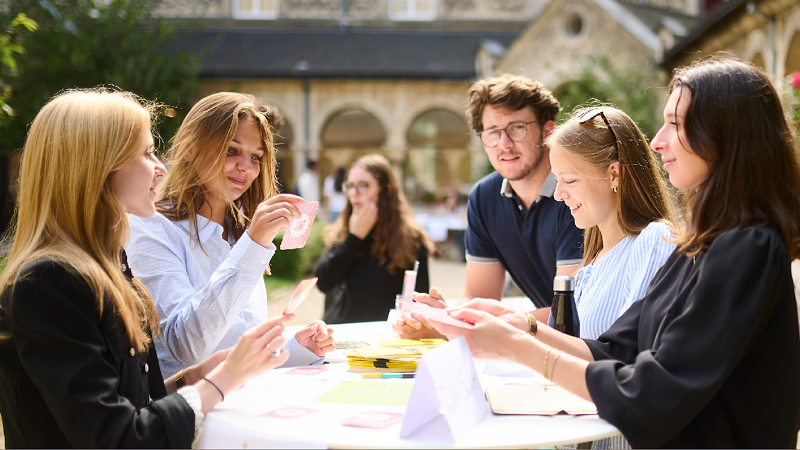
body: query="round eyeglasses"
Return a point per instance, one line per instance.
(360, 187)
(516, 131)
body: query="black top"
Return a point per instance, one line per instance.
(710, 356)
(70, 378)
(528, 243)
(369, 290)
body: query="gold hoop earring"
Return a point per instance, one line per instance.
(615, 189)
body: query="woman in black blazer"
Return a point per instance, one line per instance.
(77, 364)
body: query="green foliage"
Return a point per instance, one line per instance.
(299, 263)
(85, 44)
(9, 47)
(633, 89)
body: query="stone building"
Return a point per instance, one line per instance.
(764, 32)
(571, 33)
(358, 76)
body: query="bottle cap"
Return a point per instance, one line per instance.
(563, 283)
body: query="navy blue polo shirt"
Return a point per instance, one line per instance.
(531, 243)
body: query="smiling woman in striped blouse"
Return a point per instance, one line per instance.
(609, 178)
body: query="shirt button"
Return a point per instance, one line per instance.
(133, 352)
(146, 368)
(263, 261)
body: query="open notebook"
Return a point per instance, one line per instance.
(536, 399)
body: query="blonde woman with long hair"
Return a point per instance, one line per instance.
(204, 253)
(77, 363)
(371, 245)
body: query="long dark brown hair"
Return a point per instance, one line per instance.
(396, 235)
(642, 195)
(736, 123)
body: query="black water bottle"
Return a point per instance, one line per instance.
(564, 313)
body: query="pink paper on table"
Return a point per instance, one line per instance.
(434, 314)
(300, 294)
(296, 235)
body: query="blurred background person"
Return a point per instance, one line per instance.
(307, 185)
(370, 246)
(333, 193)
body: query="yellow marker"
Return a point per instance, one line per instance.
(370, 375)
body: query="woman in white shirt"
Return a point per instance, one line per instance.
(610, 180)
(204, 253)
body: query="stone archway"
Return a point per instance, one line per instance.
(437, 142)
(347, 135)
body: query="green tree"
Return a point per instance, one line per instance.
(9, 49)
(86, 43)
(633, 89)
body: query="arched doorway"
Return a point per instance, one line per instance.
(347, 135)
(438, 159)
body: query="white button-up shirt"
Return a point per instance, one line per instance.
(205, 297)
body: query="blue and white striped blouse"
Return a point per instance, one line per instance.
(606, 289)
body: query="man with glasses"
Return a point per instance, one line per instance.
(514, 224)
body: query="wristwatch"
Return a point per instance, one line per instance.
(180, 381)
(532, 327)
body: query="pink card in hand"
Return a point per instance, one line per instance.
(373, 419)
(434, 314)
(300, 294)
(297, 234)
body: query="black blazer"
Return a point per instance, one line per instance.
(70, 378)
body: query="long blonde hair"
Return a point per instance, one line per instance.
(67, 210)
(397, 236)
(198, 154)
(642, 195)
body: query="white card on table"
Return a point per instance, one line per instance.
(446, 384)
(296, 235)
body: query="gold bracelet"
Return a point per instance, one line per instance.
(544, 369)
(553, 369)
(532, 326)
(180, 380)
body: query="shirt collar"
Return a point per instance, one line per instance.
(548, 188)
(206, 228)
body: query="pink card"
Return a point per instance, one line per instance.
(307, 371)
(373, 419)
(300, 294)
(433, 314)
(297, 234)
(288, 412)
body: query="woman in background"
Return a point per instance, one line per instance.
(371, 245)
(203, 254)
(77, 363)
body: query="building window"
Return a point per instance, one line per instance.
(412, 9)
(574, 25)
(255, 9)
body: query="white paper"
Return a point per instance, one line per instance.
(446, 384)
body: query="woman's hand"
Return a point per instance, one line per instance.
(363, 219)
(273, 215)
(492, 338)
(251, 356)
(488, 305)
(410, 326)
(317, 337)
